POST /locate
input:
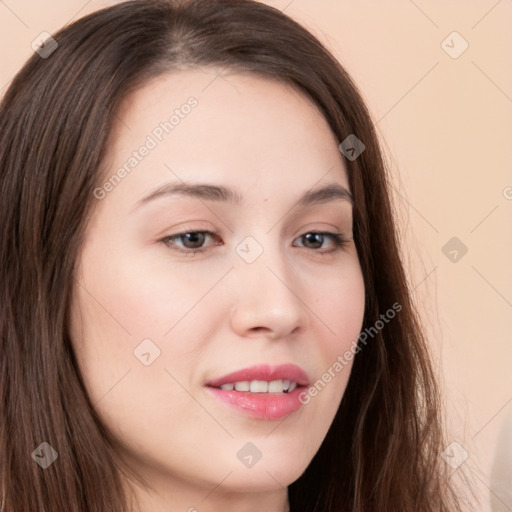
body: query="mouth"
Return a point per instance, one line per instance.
(262, 391)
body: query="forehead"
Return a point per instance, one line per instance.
(242, 129)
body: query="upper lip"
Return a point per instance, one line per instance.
(266, 372)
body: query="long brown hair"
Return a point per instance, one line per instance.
(382, 452)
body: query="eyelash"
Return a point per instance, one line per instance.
(337, 238)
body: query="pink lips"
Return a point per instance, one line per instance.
(266, 406)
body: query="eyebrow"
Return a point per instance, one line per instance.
(210, 192)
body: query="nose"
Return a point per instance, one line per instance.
(269, 300)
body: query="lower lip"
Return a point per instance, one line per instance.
(265, 406)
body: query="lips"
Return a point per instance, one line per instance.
(257, 403)
(290, 372)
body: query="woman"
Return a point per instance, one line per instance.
(173, 336)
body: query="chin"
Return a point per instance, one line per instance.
(265, 479)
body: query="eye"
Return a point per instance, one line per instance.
(193, 241)
(317, 238)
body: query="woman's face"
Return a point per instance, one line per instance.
(152, 325)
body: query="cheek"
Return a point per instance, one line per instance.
(123, 302)
(338, 312)
(133, 298)
(339, 305)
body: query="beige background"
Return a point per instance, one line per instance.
(447, 126)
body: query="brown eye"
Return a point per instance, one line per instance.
(192, 241)
(316, 239)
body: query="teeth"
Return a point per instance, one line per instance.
(261, 386)
(277, 386)
(242, 386)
